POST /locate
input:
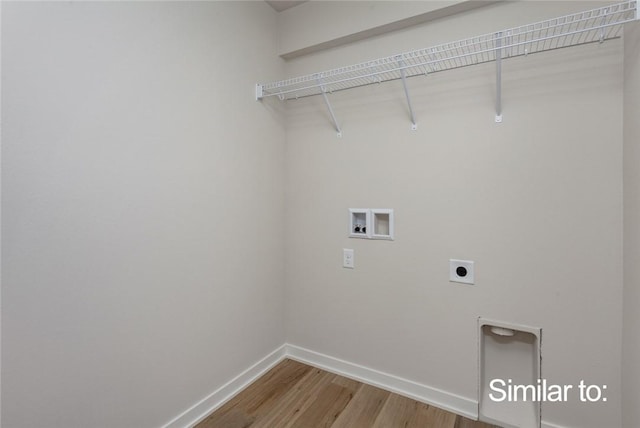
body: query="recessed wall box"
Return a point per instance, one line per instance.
(382, 224)
(359, 223)
(509, 357)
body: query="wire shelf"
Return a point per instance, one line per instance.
(596, 25)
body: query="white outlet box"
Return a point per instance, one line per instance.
(461, 271)
(382, 224)
(359, 223)
(348, 260)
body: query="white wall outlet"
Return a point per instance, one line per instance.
(348, 260)
(461, 271)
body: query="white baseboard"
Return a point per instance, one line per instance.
(550, 425)
(426, 394)
(423, 393)
(213, 401)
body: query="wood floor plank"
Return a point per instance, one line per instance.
(397, 411)
(463, 422)
(295, 395)
(296, 401)
(431, 417)
(326, 407)
(363, 409)
(233, 418)
(346, 382)
(257, 398)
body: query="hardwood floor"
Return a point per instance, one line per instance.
(294, 395)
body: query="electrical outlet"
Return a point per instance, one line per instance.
(348, 258)
(461, 271)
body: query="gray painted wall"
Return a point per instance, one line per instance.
(535, 201)
(631, 340)
(142, 207)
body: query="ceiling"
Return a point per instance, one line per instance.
(280, 5)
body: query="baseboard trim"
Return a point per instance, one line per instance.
(550, 425)
(423, 393)
(216, 399)
(426, 394)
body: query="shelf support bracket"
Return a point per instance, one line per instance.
(259, 93)
(498, 77)
(403, 75)
(326, 101)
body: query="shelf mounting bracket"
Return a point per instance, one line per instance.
(403, 75)
(326, 101)
(498, 77)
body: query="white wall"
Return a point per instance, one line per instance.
(536, 202)
(142, 207)
(318, 25)
(317, 22)
(631, 340)
(137, 276)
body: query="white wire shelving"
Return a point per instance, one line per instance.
(596, 25)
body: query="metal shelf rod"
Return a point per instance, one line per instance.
(333, 116)
(414, 125)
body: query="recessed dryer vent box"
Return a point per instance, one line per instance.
(509, 360)
(359, 223)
